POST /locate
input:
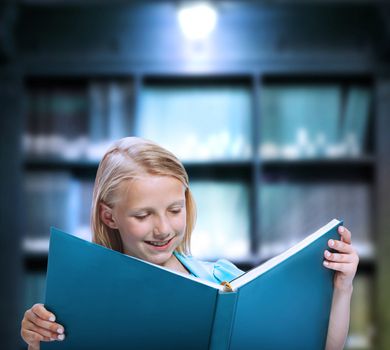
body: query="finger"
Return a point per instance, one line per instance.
(43, 331)
(335, 257)
(345, 234)
(40, 311)
(33, 338)
(340, 246)
(52, 326)
(342, 267)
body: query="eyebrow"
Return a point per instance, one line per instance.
(179, 202)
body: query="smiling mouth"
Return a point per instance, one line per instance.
(159, 244)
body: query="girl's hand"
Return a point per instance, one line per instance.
(344, 262)
(38, 325)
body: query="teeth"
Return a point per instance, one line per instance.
(158, 244)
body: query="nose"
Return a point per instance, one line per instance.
(162, 227)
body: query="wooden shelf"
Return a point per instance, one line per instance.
(58, 163)
(364, 160)
(342, 169)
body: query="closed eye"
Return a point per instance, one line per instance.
(176, 210)
(141, 217)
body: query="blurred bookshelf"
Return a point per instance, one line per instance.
(278, 138)
(202, 120)
(288, 155)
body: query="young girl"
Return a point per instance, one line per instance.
(143, 207)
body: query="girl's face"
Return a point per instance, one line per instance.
(151, 217)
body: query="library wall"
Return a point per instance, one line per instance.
(283, 110)
(11, 207)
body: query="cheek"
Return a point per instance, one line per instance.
(179, 222)
(134, 230)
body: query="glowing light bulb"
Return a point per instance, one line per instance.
(197, 20)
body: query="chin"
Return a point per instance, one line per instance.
(160, 259)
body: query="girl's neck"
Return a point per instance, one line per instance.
(174, 264)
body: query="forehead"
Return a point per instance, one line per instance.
(148, 190)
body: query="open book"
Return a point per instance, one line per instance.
(108, 300)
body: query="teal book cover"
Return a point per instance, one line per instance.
(285, 302)
(107, 300)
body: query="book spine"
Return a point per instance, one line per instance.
(223, 320)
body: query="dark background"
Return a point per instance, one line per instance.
(254, 41)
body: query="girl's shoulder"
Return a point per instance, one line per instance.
(217, 272)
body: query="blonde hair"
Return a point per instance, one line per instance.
(125, 159)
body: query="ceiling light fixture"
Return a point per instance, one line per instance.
(197, 20)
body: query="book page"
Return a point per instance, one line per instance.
(269, 264)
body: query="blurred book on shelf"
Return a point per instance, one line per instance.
(34, 288)
(110, 115)
(356, 120)
(48, 201)
(56, 122)
(289, 209)
(55, 198)
(361, 330)
(222, 227)
(73, 123)
(198, 123)
(314, 121)
(82, 195)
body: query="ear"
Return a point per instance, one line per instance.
(105, 213)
